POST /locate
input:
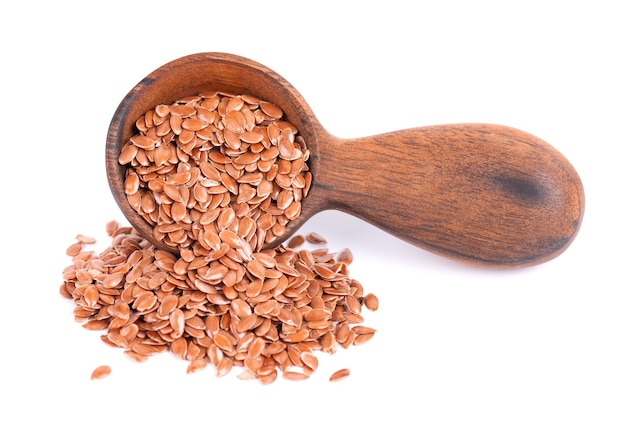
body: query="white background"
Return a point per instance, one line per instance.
(454, 343)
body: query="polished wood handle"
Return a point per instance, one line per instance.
(486, 195)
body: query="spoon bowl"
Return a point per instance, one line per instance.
(482, 194)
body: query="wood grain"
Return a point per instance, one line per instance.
(486, 195)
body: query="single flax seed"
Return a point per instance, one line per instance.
(371, 302)
(339, 375)
(101, 372)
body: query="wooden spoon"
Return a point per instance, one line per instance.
(486, 195)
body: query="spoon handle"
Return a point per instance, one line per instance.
(486, 195)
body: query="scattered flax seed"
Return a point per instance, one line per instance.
(196, 365)
(371, 302)
(315, 238)
(85, 239)
(296, 241)
(345, 256)
(268, 313)
(295, 376)
(362, 338)
(74, 249)
(101, 372)
(339, 375)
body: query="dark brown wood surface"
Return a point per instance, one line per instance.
(486, 195)
(483, 194)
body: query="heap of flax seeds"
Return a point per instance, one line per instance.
(218, 176)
